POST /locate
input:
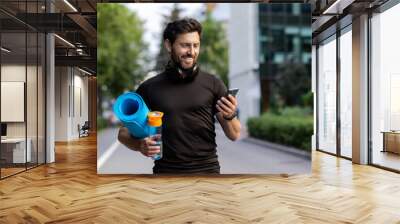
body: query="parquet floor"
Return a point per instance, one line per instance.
(70, 191)
(9, 171)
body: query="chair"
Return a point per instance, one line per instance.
(84, 130)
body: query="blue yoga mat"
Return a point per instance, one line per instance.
(132, 111)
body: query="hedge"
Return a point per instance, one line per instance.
(290, 130)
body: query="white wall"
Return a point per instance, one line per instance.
(80, 94)
(12, 100)
(243, 58)
(14, 72)
(17, 73)
(71, 87)
(61, 103)
(33, 126)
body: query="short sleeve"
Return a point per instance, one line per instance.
(220, 90)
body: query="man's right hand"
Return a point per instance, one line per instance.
(147, 146)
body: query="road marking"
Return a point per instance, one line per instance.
(107, 154)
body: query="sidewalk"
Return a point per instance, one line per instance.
(239, 157)
(254, 156)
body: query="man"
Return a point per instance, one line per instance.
(189, 99)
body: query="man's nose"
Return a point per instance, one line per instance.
(192, 50)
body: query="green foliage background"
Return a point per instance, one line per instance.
(122, 53)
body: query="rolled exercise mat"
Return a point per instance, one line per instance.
(132, 111)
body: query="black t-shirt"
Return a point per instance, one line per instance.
(188, 130)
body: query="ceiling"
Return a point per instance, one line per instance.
(72, 20)
(333, 14)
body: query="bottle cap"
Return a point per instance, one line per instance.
(155, 118)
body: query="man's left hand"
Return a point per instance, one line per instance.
(227, 106)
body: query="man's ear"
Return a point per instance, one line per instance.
(167, 45)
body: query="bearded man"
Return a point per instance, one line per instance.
(190, 99)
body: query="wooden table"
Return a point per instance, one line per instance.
(391, 141)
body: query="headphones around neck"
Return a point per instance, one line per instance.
(190, 73)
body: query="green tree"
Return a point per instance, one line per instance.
(291, 84)
(122, 53)
(214, 48)
(163, 55)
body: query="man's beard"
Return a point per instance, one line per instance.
(175, 58)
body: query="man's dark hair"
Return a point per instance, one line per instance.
(186, 25)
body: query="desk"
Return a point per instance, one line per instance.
(391, 141)
(17, 151)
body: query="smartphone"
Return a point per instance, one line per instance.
(233, 91)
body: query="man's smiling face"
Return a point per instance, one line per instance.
(185, 50)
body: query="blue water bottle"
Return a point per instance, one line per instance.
(155, 120)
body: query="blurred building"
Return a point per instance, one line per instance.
(284, 37)
(243, 58)
(273, 35)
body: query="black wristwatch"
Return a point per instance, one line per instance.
(231, 117)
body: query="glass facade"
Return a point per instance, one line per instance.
(335, 96)
(335, 106)
(24, 48)
(22, 79)
(385, 89)
(326, 55)
(334, 59)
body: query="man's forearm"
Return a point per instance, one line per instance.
(125, 138)
(231, 127)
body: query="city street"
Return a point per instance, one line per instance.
(239, 157)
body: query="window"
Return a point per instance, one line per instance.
(327, 95)
(385, 88)
(346, 93)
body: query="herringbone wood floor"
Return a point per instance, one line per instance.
(70, 191)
